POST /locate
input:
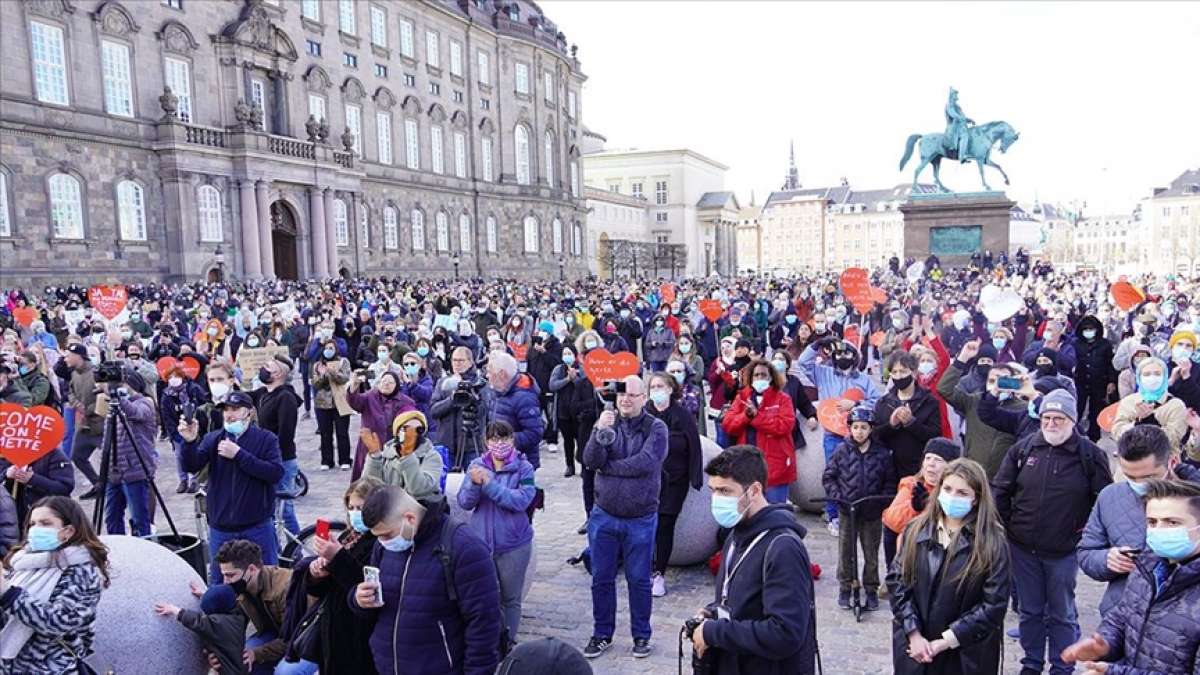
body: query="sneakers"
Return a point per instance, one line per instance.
(872, 602)
(844, 599)
(326, 467)
(832, 526)
(344, 467)
(182, 487)
(306, 415)
(596, 646)
(658, 585)
(582, 528)
(569, 472)
(193, 485)
(641, 648)
(1014, 633)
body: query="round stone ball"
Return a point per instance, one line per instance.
(695, 529)
(810, 465)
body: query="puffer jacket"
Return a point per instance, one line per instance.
(419, 473)
(499, 505)
(851, 474)
(143, 420)
(1155, 629)
(418, 617)
(1170, 414)
(377, 412)
(770, 430)
(518, 405)
(658, 345)
(1118, 519)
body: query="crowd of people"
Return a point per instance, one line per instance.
(959, 438)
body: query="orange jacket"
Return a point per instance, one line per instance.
(900, 512)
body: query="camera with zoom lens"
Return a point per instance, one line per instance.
(108, 372)
(466, 397)
(701, 665)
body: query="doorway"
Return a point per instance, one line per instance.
(283, 241)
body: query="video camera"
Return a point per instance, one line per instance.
(466, 396)
(109, 371)
(701, 665)
(608, 393)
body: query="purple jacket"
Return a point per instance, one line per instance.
(499, 518)
(629, 472)
(1156, 632)
(126, 468)
(378, 411)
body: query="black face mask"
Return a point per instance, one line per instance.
(1046, 369)
(902, 382)
(239, 586)
(983, 369)
(264, 376)
(844, 362)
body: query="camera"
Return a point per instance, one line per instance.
(108, 372)
(701, 665)
(610, 390)
(466, 396)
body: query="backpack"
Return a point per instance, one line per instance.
(445, 453)
(445, 555)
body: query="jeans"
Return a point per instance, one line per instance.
(329, 422)
(177, 445)
(291, 468)
(866, 536)
(136, 495)
(69, 438)
(889, 547)
(631, 539)
(511, 567)
(777, 494)
(262, 534)
(830, 443)
(258, 640)
(569, 429)
(1046, 595)
(81, 454)
(300, 667)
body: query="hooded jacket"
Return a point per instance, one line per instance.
(126, 467)
(1094, 371)
(1155, 629)
(499, 505)
(907, 441)
(419, 472)
(772, 625)
(377, 412)
(277, 413)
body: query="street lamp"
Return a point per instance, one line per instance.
(219, 255)
(562, 262)
(455, 259)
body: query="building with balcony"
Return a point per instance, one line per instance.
(299, 138)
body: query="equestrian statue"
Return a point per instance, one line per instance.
(962, 140)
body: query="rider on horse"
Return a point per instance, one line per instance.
(957, 136)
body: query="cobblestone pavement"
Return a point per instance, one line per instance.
(559, 603)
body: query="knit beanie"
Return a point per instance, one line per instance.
(1060, 401)
(218, 599)
(944, 448)
(1182, 335)
(404, 417)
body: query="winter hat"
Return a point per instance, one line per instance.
(1182, 335)
(218, 599)
(987, 351)
(405, 417)
(546, 327)
(79, 350)
(1060, 401)
(547, 656)
(944, 448)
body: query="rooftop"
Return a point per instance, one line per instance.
(635, 152)
(1186, 185)
(844, 194)
(716, 200)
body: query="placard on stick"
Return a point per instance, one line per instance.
(602, 366)
(28, 434)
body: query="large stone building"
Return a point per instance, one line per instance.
(1173, 218)
(153, 139)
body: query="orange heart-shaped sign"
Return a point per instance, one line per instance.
(878, 295)
(191, 367)
(164, 366)
(188, 364)
(711, 309)
(28, 434)
(25, 316)
(856, 286)
(832, 419)
(602, 366)
(877, 338)
(1126, 295)
(1107, 416)
(854, 394)
(667, 293)
(108, 300)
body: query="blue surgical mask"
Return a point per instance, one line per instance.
(422, 351)
(790, 318)
(926, 368)
(679, 377)
(1138, 487)
(954, 506)
(41, 538)
(411, 369)
(397, 544)
(357, 523)
(780, 366)
(24, 370)
(760, 385)
(660, 398)
(1089, 334)
(684, 347)
(999, 343)
(725, 510)
(236, 427)
(569, 359)
(328, 353)
(1172, 543)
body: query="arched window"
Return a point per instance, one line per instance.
(66, 206)
(464, 233)
(208, 206)
(491, 234)
(531, 234)
(341, 226)
(548, 149)
(418, 230)
(557, 233)
(391, 234)
(443, 231)
(131, 211)
(521, 143)
(577, 240)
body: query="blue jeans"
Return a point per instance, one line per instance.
(135, 495)
(631, 539)
(262, 534)
(300, 667)
(258, 640)
(291, 468)
(1046, 595)
(69, 438)
(721, 437)
(777, 494)
(177, 445)
(831, 443)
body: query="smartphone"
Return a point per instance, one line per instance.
(1008, 383)
(372, 574)
(323, 528)
(189, 412)
(1132, 553)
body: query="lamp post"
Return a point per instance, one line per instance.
(219, 255)
(562, 274)
(455, 260)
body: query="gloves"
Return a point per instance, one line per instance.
(920, 496)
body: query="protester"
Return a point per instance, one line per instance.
(1095, 377)
(132, 466)
(562, 385)
(763, 416)
(682, 469)
(89, 426)
(515, 401)
(981, 442)
(330, 377)
(220, 626)
(261, 596)
(460, 404)
(1152, 404)
(378, 407)
(278, 406)
(781, 361)
(180, 397)
(407, 460)
(913, 492)
(49, 475)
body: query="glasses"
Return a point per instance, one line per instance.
(1055, 420)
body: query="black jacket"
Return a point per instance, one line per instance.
(1093, 360)
(1045, 493)
(907, 442)
(52, 475)
(804, 409)
(222, 634)
(772, 629)
(343, 645)
(851, 475)
(277, 412)
(683, 466)
(935, 602)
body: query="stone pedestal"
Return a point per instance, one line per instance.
(695, 529)
(952, 226)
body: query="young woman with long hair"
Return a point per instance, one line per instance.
(950, 581)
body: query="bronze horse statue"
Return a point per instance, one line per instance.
(981, 140)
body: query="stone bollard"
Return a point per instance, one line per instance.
(695, 530)
(810, 465)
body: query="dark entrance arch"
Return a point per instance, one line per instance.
(283, 241)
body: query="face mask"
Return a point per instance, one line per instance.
(999, 343)
(1089, 334)
(725, 510)
(1172, 543)
(422, 351)
(329, 353)
(954, 506)
(24, 370)
(685, 347)
(218, 389)
(235, 428)
(790, 319)
(1004, 395)
(568, 359)
(212, 332)
(658, 324)
(589, 344)
(983, 369)
(819, 327)
(844, 362)
(42, 538)
(397, 545)
(1138, 488)
(175, 381)
(325, 334)
(780, 366)
(501, 450)
(1180, 354)
(1046, 369)
(382, 354)
(902, 382)
(125, 335)
(583, 309)
(252, 343)
(760, 385)
(624, 314)
(678, 377)
(264, 376)
(926, 368)
(411, 370)
(357, 523)
(239, 586)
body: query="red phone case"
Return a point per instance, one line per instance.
(322, 528)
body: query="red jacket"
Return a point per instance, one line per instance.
(770, 430)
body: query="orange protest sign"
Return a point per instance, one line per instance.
(25, 316)
(1126, 295)
(602, 366)
(711, 309)
(28, 434)
(108, 300)
(667, 293)
(832, 419)
(854, 394)
(191, 367)
(1107, 416)
(188, 364)
(878, 295)
(852, 336)
(877, 338)
(856, 286)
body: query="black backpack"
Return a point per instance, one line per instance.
(445, 554)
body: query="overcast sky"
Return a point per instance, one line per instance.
(1104, 95)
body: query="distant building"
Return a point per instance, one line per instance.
(1109, 241)
(1172, 219)
(749, 237)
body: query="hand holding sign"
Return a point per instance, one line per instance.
(711, 309)
(602, 366)
(28, 434)
(108, 300)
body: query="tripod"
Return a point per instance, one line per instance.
(108, 454)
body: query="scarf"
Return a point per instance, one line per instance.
(37, 575)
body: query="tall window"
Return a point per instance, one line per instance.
(571, 102)
(131, 211)
(460, 154)
(49, 63)
(5, 223)
(548, 85)
(521, 143)
(436, 148)
(411, 144)
(418, 230)
(443, 231)
(464, 233)
(311, 9)
(491, 234)
(179, 79)
(522, 78)
(354, 124)
(341, 224)
(208, 206)
(577, 239)
(531, 234)
(636, 191)
(431, 49)
(548, 150)
(485, 68)
(66, 207)
(383, 134)
(557, 234)
(486, 160)
(660, 192)
(118, 90)
(378, 26)
(316, 106)
(406, 39)
(391, 233)
(346, 17)
(575, 179)
(456, 64)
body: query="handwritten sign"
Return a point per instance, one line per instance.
(25, 316)
(251, 359)
(28, 434)
(1126, 295)
(602, 366)
(857, 289)
(711, 309)
(108, 300)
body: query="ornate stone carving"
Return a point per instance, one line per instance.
(241, 111)
(412, 105)
(384, 98)
(54, 9)
(317, 79)
(353, 90)
(323, 131)
(348, 140)
(115, 19)
(169, 103)
(256, 116)
(312, 127)
(177, 38)
(255, 29)
(437, 113)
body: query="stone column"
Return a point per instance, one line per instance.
(267, 249)
(251, 261)
(316, 227)
(330, 235)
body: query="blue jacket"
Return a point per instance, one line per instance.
(1118, 519)
(418, 626)
(241, 491)
(1155, 629)
(518, 405)
(499, 518)
(629, 472)
(832, 383)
